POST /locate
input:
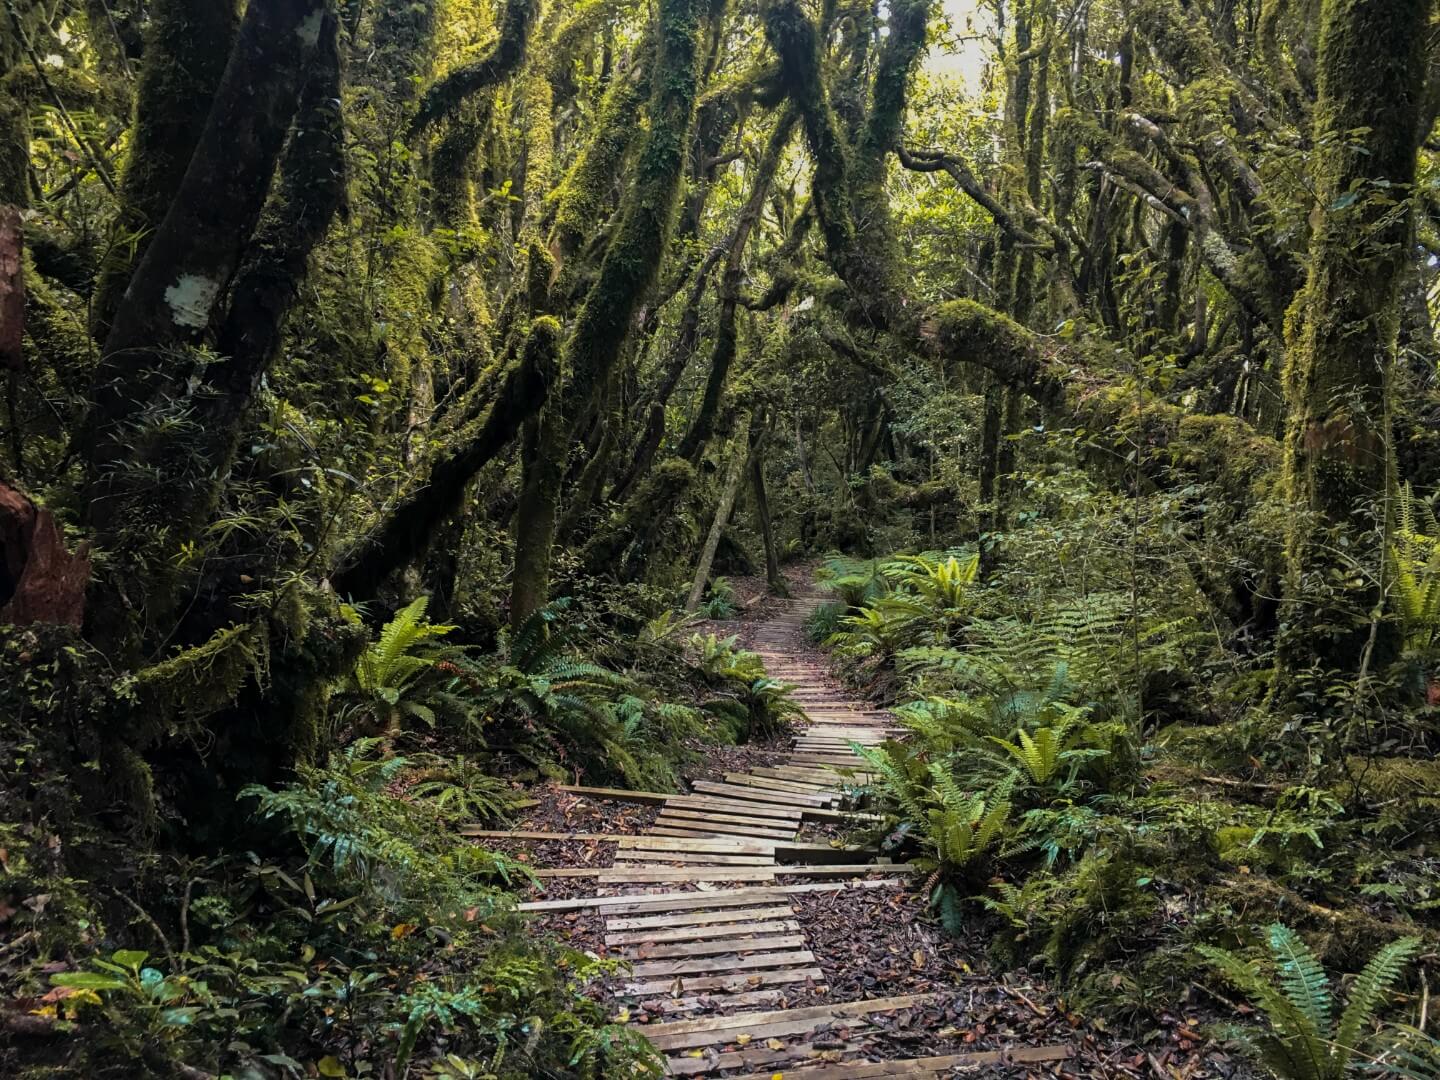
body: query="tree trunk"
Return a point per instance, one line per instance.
(1341, 350)
(773, 577)
(542, 456)
(187, 44)
(173, 297)
(733, 476)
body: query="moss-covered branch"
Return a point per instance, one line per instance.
(444, 99)
(407, 529)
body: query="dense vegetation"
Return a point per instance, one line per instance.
(384, 380)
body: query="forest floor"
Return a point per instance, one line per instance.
(760, 944)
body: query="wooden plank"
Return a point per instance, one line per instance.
(718, 947)
(761, 795)
(941, 1065)
(695, 830)
(722, 983)
(775, 773)
(750, 1056)
(846, 870)
(773, 997)
(663, 874)
(665, 843)
(658, 936)
(685, 901)
(618, 794)
(716, 817)
(731, 807)
(774, 783)
(737, 1022)
(528, 834)
(722, 965)
(687, 858)
(699, 919)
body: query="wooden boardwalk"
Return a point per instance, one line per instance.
(739, 947)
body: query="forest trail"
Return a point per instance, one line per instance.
(732, 943)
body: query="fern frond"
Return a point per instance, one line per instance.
(1370, 989)
(1301, 977)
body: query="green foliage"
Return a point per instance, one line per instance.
(1303, 1042)
(1415, 561)
(386, 687)
(720, 600)
(757, 705)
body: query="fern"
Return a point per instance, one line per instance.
(1301, 1044)
(1415, 563)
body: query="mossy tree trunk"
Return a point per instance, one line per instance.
(734, 474)
(629, 266)
(763, 520)
(1341, 335)
(187, 44)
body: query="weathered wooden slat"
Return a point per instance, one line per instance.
(702, 858)
(686, 901)
(527, 834)
(723, 1027)
(751, 1056)
(942, 1065)
(723, 983)
(778, 996)
(715, 817)
(774, 783)
(663, 874)
(663, 843)
(774, 773)
(698, 831)
(761, 795)
(722, 965)
(724, 931)
(699, 919)
(730, 806)
(848, 869)
(718, 947)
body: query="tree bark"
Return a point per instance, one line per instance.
(773, 577)
(176, 291)
(1341, 351)
(187, 45)
(405, 532)
(733, 476)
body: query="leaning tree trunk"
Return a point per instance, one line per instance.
(733, 476)
(1342, 346)
(773, 577)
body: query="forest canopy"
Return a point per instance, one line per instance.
(389, 386)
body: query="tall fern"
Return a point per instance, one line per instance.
(1297, 1002)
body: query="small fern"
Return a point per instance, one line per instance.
(1301, 1043)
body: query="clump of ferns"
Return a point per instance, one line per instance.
(360, 824)
(957, 830)
(752, 703)
(1304, 1040)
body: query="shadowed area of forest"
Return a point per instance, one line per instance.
(724, 538)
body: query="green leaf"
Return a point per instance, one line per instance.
(130, 958)
(88, 980)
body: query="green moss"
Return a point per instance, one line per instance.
(962, 331)
(202, 680)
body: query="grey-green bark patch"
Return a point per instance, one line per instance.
(190, 300)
